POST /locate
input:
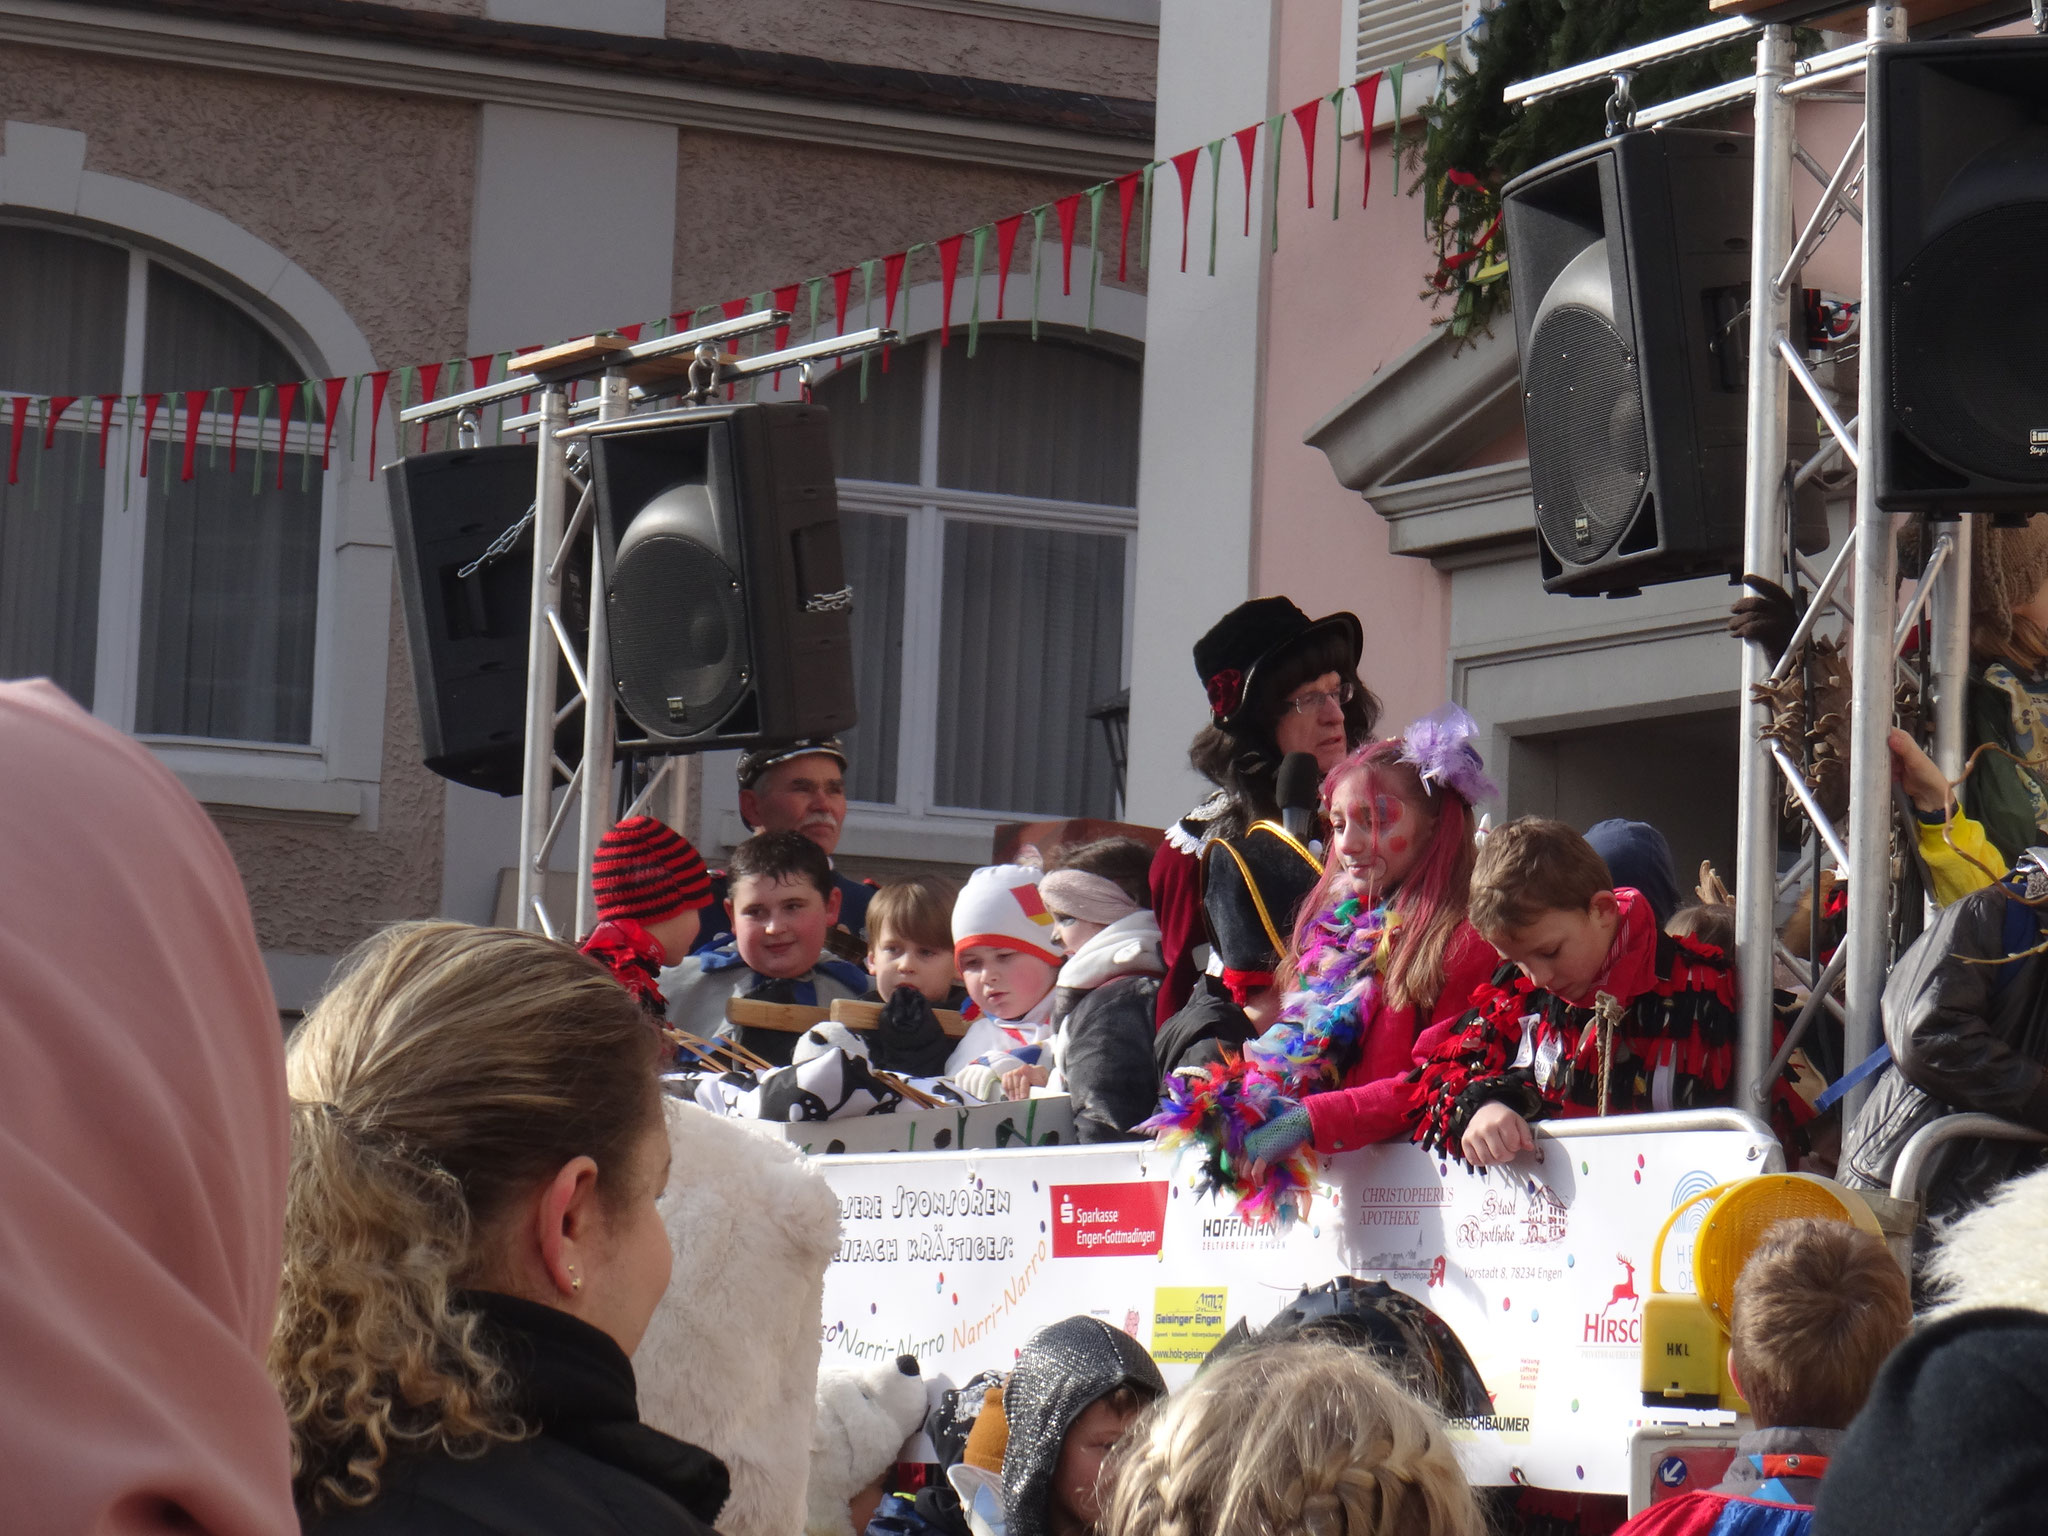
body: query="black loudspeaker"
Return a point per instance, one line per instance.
(468, 633)
(726, 592)
(1959, 150)
(1630, 260)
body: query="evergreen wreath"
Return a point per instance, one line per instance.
(1474, 143)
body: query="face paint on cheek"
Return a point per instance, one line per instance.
(1397, 845)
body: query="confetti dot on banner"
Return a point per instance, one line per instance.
(1585, 1167)
(942, 1277)
(1639, 1175)
(1575, 1405)
(873, 1308)
(1570, 1262)
(1315, 1231)
(1041, 1226)
(1582, 1473)
(1535, 1316)
(1505, 1303)
(1034, 1186)
(956, 1298)
(1639, 1159)
(1443, 1170)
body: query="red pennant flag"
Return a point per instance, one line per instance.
(287, 397)
(149, 405)
(734, 308)
(842, 285)
(949, 270)
(1305, 120)
(1067, 208)
(480, 371)
(195, 402)
(892, 279)
(1126, 195)
(1368, 105)
(59, 404)
(632, 332)
(377, 383)
(334, 387)
(430, 382)
(680, 320)
(785, 300)
(106, 422)
(14, 442)
(1246, 137)
(1006, 247)
(1184, 165)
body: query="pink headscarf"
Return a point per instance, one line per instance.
(142, 1149)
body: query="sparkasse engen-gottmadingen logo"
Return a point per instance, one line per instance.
(1107, 1221)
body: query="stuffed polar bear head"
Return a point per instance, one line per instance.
(865, 1413)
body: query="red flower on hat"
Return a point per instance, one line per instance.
(1226, 692)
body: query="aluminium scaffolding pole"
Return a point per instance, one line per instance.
(537, 782)
(1873, 658)
(1765, 518)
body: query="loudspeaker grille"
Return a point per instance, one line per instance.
(1589, 459)
(1970, 339)
(679, 651)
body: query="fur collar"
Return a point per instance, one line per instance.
(1127, 947)
(1994, 1256)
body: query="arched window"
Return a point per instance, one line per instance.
(174, 608)
(989, 507)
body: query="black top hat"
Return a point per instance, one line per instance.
(1255, 887)
(1252, 635)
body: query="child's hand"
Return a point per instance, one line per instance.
(1925, 785)
(1019, 1081)
(1494, 1135)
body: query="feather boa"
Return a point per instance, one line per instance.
(1319, 1026)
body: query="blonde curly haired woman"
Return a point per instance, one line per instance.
(1298, 1439)
(473, 1250)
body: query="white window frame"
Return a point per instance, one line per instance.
(1418, 85)
(914, 825)
(334, 778)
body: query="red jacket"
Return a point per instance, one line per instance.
(1377, 1101)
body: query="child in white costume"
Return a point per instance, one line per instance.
(1003, 945)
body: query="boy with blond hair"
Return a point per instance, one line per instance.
(1819, 1307)
(1597, 1012)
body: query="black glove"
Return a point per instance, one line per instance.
(1769, 617)
(908, 1040)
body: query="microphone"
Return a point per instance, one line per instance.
(1297, 787)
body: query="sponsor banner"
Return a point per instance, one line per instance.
(958, 1258)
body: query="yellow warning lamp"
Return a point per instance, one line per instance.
(1685, 1337)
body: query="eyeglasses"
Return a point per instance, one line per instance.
(1311, 703)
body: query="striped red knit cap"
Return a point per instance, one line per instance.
(645, 871)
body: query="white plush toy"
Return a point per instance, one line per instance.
(865, 1413)
(730, 1358)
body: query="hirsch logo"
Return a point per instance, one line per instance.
(1621, 1320)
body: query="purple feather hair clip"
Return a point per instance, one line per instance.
(1439, 747)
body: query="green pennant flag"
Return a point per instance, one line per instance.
(127, 443)
(306, 459)
(816, 286)
(355, 400)
(213, 424)
(1037, 261)
(974, 310)
(1394, 73)
(264, 395)
(1273, 142)
(170, 436)
(1337, 154)
(78, 458)
(1215, 188)
(1094, 245)
(1145, 216)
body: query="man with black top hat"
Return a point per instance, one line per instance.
(800, 786)
(1277, 682)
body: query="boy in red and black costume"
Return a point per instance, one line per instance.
(1597, 1011)
(650, 886)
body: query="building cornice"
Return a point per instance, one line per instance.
(1485, 512)
(1117, 18)
(1428, 411)
(688, 85)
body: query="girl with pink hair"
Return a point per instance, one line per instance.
(1380, 966)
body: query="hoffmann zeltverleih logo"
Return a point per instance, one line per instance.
(1101, 1221)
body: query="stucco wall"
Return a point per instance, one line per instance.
(368, 192)
(913, 37)
(1340, 303)
(755, 213)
